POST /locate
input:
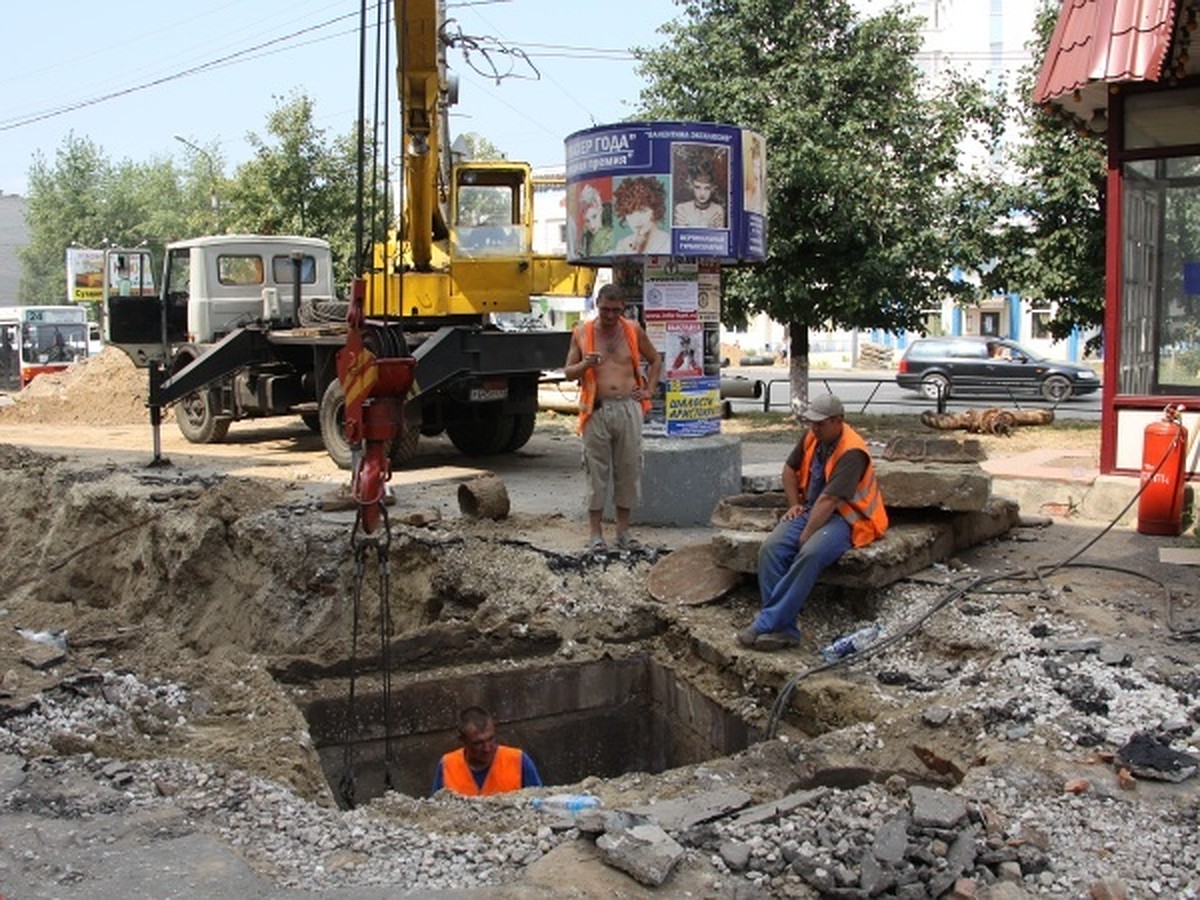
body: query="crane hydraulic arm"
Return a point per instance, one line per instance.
(421, 79)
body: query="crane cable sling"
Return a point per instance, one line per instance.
(362, 543)
(975, 585)
(360, 540)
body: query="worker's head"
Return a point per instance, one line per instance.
(823, 414)
(477, 732)
(610, 303)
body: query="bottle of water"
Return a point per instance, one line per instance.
(851, 643)
(571, 803)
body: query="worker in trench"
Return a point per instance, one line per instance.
(481, 765)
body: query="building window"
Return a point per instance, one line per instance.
(1160, 305)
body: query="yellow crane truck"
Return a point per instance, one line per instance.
(248, 326)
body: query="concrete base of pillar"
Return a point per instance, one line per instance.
(685, 478)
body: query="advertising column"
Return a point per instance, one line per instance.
(666, 205)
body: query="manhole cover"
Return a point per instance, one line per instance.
(689, 577)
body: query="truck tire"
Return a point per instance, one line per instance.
(404, 447)
(312, 421)
(332, 414)
(481, 435)
(197, 420)
(523, 425)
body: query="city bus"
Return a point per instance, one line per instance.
(36, 339)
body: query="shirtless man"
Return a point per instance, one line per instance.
(606, 357)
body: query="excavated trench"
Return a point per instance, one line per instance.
(599, 718)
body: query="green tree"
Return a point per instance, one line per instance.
(84, 200)
(1052, 248)
(866, 218)
(302, 182)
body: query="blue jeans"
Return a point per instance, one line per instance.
(787, 571)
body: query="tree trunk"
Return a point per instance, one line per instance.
(798, 365)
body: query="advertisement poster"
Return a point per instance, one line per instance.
(666, 189)
(693, 407)
(85, 274)
(689, 342)
(671, 289)
(684, 357)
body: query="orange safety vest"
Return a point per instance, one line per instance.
(504, 775)
(587, 385)
(864, 510)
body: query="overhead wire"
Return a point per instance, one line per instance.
(240, 55)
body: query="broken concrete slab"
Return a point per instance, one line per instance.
(934, 808)
(773, 809)
(645, 851)
(678, 815)
(906, 547)
(905, 484)
(934, 449)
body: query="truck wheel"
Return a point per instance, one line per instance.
(523, 425)
(481, 435)
(333, 418)
(404, 447)
(197, 420)
(312, 421)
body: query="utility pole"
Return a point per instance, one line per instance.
(212, 174)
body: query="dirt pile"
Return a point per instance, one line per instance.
(105, 389)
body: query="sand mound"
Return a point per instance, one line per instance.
(105, 389)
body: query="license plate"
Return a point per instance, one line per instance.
(489, 390)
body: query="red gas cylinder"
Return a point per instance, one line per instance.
(1160, 505)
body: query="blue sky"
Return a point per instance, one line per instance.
(69, 55)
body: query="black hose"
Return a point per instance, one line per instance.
(955, 592)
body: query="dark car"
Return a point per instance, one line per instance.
(944, 366)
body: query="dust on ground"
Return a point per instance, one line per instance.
(238, 588)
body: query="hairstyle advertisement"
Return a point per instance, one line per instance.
(685, 189)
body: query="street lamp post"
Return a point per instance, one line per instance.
(212, 174)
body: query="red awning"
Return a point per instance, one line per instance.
(1097, 42)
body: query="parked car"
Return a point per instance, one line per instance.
(944, 366)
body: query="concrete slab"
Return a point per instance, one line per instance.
(690, 576)
(907, 547)
(958, 486)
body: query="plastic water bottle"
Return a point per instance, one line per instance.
(570, 803)
(851, 643)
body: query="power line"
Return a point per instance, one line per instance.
(238, 56)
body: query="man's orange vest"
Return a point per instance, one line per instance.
(864, 511)
(504, 775)
(587, 384)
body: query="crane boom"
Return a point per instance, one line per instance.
(421, 80)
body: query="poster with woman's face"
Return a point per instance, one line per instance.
(754, 166)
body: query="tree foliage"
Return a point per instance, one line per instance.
(301, 181)
(866, 217)
(1050, 244)
(84, 200)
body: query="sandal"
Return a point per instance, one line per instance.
(597, 545)
(628, 542)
